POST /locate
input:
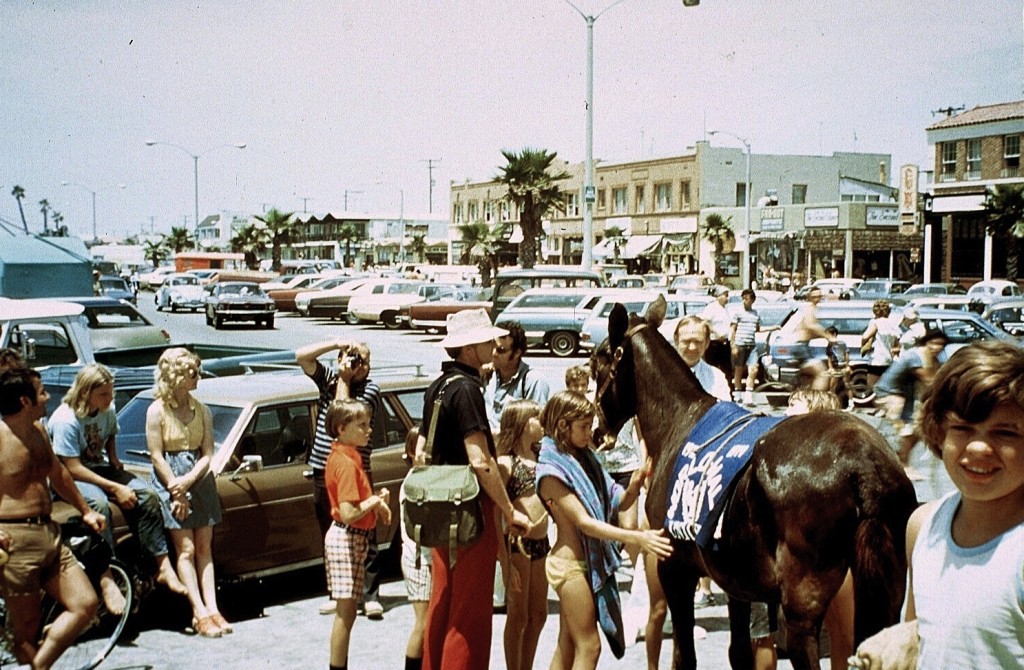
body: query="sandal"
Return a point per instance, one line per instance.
(222, 623)
(206, 627)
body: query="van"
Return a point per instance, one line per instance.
(508, 284)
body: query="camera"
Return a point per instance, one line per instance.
(355, 360)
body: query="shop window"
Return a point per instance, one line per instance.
(619, 203)
(741, 194)
(662, 197)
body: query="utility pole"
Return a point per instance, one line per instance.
(304, 200)
(949, 111)
(347, 191)
(430, 172)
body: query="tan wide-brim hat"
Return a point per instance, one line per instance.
(470, 326)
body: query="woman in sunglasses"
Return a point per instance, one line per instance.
(180, 439)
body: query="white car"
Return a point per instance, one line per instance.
(383, 302)
(180, 291)
(994, 289)
(331, 303)
(150, 280)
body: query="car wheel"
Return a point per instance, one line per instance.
(174, 307)
(351, 319)
(392, 320)
(209, 318)
(195, 309)
(563, 344)
(860, 390)
(269, 323)
(217, 322)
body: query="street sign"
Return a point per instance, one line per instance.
(589, 194)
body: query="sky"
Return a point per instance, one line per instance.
(342, 104)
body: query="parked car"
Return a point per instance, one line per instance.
(1007, 315)
(595, 328)
(691, 283)
(832, 289)
(384, 303)
(628, 281)
(284, 298)
(205, 276)
(553, 318)
(238, 301)
(151, 280)
(118, 324)
(993, 289)
(880, 289)
(291, 281)
(956, 303)
(431, 315)
(180, 291)
(330, 302)
(116, 288)
(934, 288)
(509, 284)
(263, 430)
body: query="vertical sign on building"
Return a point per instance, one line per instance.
(908, 198)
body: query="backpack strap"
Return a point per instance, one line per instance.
(429, 448)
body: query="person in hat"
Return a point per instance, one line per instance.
(458, 634)
(719, 353)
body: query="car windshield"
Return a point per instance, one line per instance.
(114, 316)
(240, 289)
(184, 281)
(113, 285)
(131, 421)
(403, 289)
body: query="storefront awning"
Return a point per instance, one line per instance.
(603, 249)
(638, 245)
(774, 235)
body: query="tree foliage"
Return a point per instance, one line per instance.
(249, 241)
(418, 246)
(155, 251)
(348, 233)
(44, 208)
(616, 235)
(19, 195)
(719, 233)
(480, 245)
(533, 189)
(282, 228)
(180, 239)
(1005, 209)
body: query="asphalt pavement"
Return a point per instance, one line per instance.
(277, 623)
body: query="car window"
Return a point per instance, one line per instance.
(50, 341)
(412, 402)
(131, 421)
(403, 289)
(115, 317)
(547, 300)
(846, 326)
(393, 428)
(634, 307)
(958, 332)
(280, 435)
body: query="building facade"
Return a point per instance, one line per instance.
(655, 204)
(974, 151)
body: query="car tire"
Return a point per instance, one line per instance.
(860, 390)
(351, 319)
(217, 322)
(392, 320)
(268, 323)
(563, 343)
(174, 308)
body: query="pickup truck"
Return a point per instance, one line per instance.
(53, 337)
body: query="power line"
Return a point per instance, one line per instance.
(948, 111)
(430, 173)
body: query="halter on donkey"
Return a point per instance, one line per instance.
(823, 494)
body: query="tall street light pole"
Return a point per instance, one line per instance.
(93, 192)
(195, 168)
(589, 193)
(745, 267)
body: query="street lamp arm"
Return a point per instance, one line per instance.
(150, 143)
(595, 17)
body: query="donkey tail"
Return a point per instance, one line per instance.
(879, 576)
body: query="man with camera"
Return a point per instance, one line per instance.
(349, 380)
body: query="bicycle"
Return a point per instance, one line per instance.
(96, 642)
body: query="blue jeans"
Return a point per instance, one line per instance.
(145, 519)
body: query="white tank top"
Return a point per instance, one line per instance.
(969, 600)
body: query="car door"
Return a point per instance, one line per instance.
(269, 517)
(399, 411)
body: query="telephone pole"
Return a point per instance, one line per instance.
(304, 200)
(430, 172)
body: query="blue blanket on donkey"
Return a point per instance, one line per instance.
(717, 450)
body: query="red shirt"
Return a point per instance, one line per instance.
(346, 481)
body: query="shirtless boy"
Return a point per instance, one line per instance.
(37, 559)
(807, 329)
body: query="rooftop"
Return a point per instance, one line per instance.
(983, 114)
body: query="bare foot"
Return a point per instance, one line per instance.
(113, 599)
(166, 576)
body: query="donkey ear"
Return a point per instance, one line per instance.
(656, 312)
(618, 322)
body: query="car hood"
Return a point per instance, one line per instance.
(186, 291)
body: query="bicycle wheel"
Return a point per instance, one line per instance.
(96, 642)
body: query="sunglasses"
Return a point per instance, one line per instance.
(193, 372)
(501, 350)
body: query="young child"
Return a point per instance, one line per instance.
(965, 604)
(584, 503)
(527, 593)
(354, 509)
(417, 579)
(577, 378)
(838, 355)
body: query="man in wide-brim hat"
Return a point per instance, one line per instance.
(458, 634)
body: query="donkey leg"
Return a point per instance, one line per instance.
(678, 583)
(741, 653)
(805, 599)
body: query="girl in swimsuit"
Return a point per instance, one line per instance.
(527, 593)
(179, 435)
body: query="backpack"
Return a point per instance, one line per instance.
(441, 505)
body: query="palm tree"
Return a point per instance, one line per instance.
(281, 228)
(19, 195)
(418, 246)
(348, 234)
(719, 233)
(1005, 208)
(532, 188)
(249, 241)
(480, 244)
(180, 239)
(155, 251)
(615, 234)
(59, 229)
(44, 207)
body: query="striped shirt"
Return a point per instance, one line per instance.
(327, 381)
(747, 322)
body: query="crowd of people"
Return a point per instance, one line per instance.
(560, 511)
